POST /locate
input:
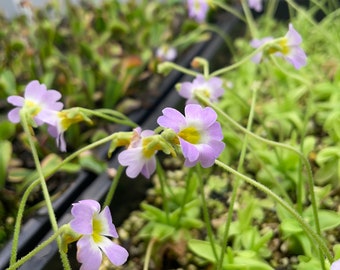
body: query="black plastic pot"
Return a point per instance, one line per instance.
(129, 192)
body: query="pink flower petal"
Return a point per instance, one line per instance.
(14, 115)
(88, 253)
(115, 253)
(108, 229)
(16, 100)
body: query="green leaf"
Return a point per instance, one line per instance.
(89, 162)
(7, 130)
(5, 157)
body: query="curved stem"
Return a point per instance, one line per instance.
(36, 250)
(242, 61)
(206, 214)
(43, 185)
(318, 240)
(170, 65)
(148, 253)
(18, 220)
(249, 18)
(104, 113)
(237, 181)
(161, 177)
(113, 186)
(229, 9)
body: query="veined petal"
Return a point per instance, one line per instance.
(171, 118)
(297, 57)
(190, 152)
(107, 227)
(149, 167)
(215, 131)
(16, 100)
(133, 158)
(293, 37)
(88, 253)
(186, 90)
(14, 115)
(35, 91)
(115, 253)
(83, 212)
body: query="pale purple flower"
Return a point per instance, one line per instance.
(59, 122)
(335, 265)
(37, 101)
(199, 135)
(138, 157)
(166, 53)
(256, 5)
(95, 228)
(287, 47)
(198, 9)
(291, 49)
(209, 88)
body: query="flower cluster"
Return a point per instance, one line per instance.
(94, 229)
(41, 106)
(287, 47)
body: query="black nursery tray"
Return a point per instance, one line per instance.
(129, 192)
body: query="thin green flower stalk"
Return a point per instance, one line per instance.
(229, 9)
(249, 19)
(37, 250)
(243, 60)
(149, 249)
(188, 181)
(310, 178)
(116, 117)
(113, 186)
(162, 182)
(318, 242)
(46, 194)
(165, 67)
(237, 179)
(17, 226)
(206, 214)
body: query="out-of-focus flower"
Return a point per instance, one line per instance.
(199, 135)
(291, 49)
(95, 228)
(38, 102)
(210, 88)
(335, 265)
(59, 122)
(166, 53)
(139, 157)
(198, 9)
(256, 5)
(256, 43)
(288, 47)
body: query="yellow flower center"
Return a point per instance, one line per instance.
(32, 107)
(66, 120)
(281, 47)
(97, 229)
(150, 146)
(190, 134)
